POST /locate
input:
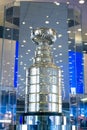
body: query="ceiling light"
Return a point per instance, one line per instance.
(60, 46)
(68, 2)
(81, 1)
(23, 22)
(24, 41)
(30, 59)
(24, 64)
(85, 43)
(86, 34)
(30, 27)
(61, 61)
(28, 50)
(57, 61)
(57, 22)
(21, 79)
(54, 48)
(84, 51)
(7, 29)
(68, 31)
(79, 29)
(57, 3)
(84, 99)
(21, 56)
(56, 55)
(69, 42)
(27, 53)
(61, 66)
(21, 63)
(47, 16)
(46, 22)
(60, 35)
(60, 54)
(8, 63)
(22, 45)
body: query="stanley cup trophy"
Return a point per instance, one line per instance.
(43, 98)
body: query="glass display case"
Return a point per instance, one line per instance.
(17, 55)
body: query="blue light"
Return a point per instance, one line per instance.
(16, 64)
(76, 71)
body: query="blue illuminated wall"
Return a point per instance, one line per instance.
(76, 75)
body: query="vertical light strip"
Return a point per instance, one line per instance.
(16, 64)
(85, 71)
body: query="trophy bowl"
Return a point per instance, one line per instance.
(43, 35)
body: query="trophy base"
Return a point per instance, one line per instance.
(43, 121)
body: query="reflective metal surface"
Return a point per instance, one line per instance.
(43, 35)
(43, 78)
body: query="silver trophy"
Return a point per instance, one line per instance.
(43, 98)
(44, 77)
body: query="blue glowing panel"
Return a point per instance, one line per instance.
(16, 64)
(76, 71)
(72, 70)
(79, 71)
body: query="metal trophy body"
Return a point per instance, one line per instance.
(43, 98)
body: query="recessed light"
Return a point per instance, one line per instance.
(81, 1)
(46, 22)
(21, 63)
(60, 54)
(57, 61)
(8, 63)
(30, 59)
(8, 29)
(30, 27)
(57, 3)
(61, 66)
(79, 29)
(54, 48)
(60, 35)
(27, 53)
(84, 51)
(60, 46)
(68, 31)
(56, 55)
(21, 56)
(22, 45)
(68, 2)
(69, 42)
(47, 16)
(85, 43)
(24, 41)
(57, 22)
(60, 60)
(28, 50)
(24, 68)
(23, 22)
